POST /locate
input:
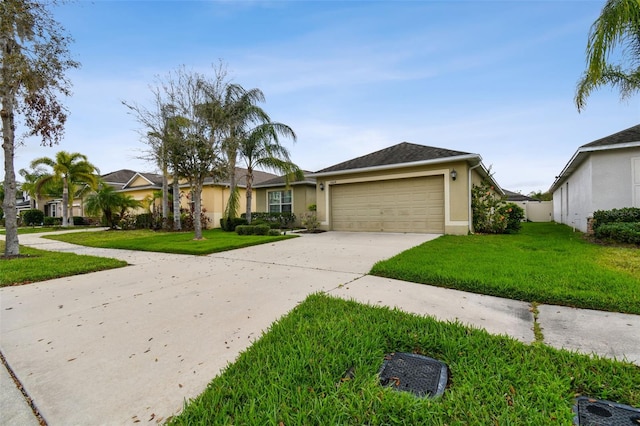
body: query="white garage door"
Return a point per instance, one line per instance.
(398, 205)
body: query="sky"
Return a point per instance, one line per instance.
(495, 78)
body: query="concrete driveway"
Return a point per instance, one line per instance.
(129, 345)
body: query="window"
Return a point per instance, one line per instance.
(280, 201)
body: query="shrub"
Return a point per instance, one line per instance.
(514, 215)
(230, 224)
(52, 221)
(78, 221)
(32, 217)
(244, 229)
(485, 204)
(310, 221)
(144, 221)
(274, 233)
(623, 232)
(261, 229)
(282, 220)
(627, 214)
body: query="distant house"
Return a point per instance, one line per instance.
(402, 188)
(275, 196)
(601, 175)
(215, 194)
(534, 210)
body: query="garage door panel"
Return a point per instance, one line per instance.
(399, 205)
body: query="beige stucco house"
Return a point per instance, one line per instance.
(601, 175)
(403, 188)
(275, 196)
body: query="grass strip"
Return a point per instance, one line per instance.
(39, 265)
(294, 374)
(544, 263)
(40, 229)
(215, 240)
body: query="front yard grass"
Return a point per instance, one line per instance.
(544, 263)
(215, 240)
(38, 265)
(39, 229)
(293, 374)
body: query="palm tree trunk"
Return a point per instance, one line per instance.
(249, 193)
(177, 224)
(12, 245)
(197, 210)
(65, 202)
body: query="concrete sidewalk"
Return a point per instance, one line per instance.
(129, 344)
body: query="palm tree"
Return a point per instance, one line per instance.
(262, 149)
(109, 203)
(617, 26)
(232, 117)
(72, 169)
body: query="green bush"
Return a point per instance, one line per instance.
(230, 225)
(144, 221)
(281, 220)
(274, 233)
(627, 214)
(32, 217)
(52, 221)
(244, 229)
(623, 232)
(79, 221)
(514, 215)
(261, 229)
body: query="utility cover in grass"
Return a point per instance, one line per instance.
(418, 374)
(598, 412)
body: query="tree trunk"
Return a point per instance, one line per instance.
(65, 202)
(165, 196)
(177, 224)
(197, 210)
(12, 245)
(249, 193)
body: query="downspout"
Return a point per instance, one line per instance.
(470, 210)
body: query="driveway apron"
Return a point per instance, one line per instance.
(132, 344)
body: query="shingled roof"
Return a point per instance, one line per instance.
(402, 153)
(627, 138)
(630, 135)
(280, 181)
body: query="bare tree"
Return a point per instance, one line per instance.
(34, 59)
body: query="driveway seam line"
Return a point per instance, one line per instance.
(23, 391)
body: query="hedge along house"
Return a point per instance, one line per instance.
(601, 175)
(274, 196)
(403, 188)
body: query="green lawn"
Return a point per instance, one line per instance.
(215, 240)
(544, 263)
(39, 265)
(293, 374)
(39, 229)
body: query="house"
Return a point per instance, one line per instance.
(534, 210)
(403, 188)
(275, 196)
(215, 194)
(601, 175)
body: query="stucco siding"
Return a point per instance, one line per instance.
(613, 179)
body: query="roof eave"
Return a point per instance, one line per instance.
(580, 155)
(466, 157)
(274, 185)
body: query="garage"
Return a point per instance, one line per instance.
(396, 205)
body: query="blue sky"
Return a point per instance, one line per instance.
(495, 78)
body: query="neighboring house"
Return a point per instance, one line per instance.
(215, 195)
(140, 186)
(534, 210)
(403, 188)
(275, 196)
(601, 175)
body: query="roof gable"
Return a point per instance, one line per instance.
(630, 135)
(401, 153)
